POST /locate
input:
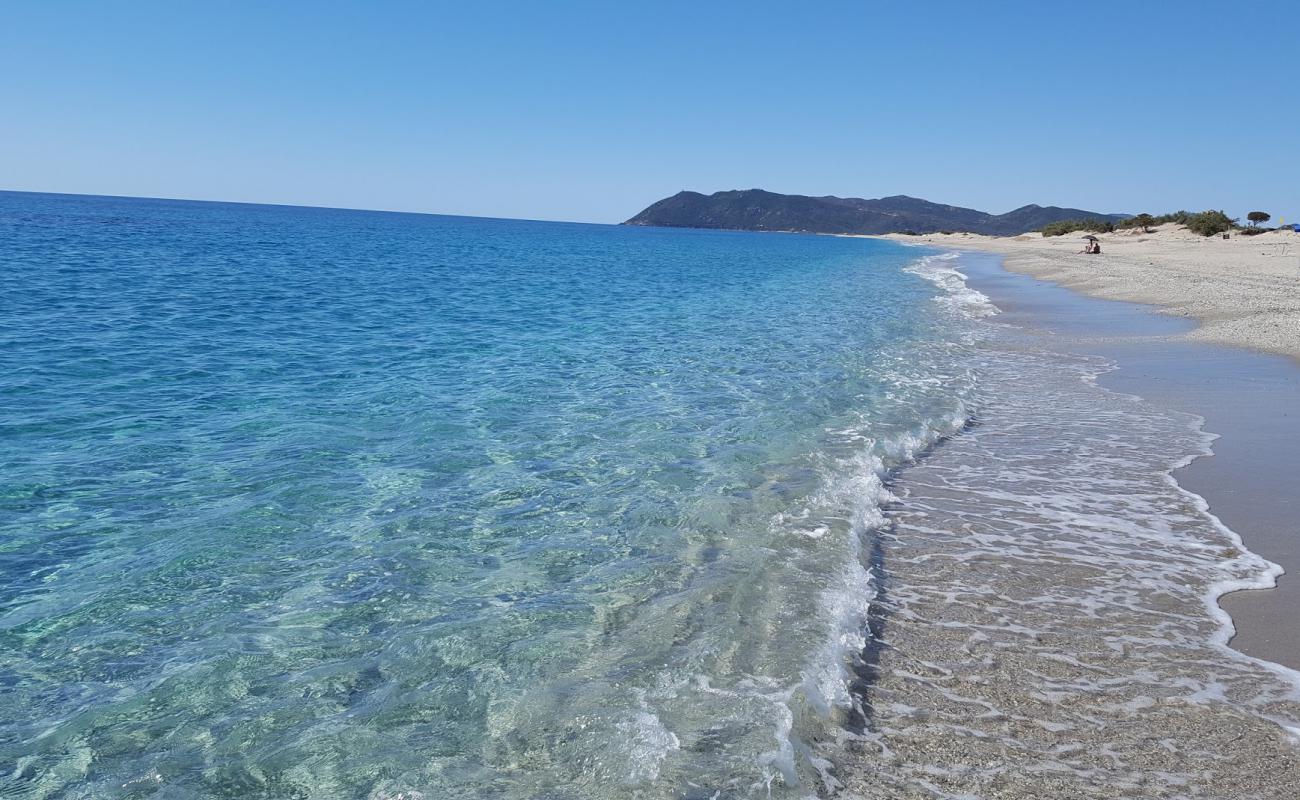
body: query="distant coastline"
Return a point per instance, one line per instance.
(759, 210)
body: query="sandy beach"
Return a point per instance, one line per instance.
(1243, 291)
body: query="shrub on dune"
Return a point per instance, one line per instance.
(1209, 223)
(1071, 225)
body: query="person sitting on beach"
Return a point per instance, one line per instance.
(1093, 246)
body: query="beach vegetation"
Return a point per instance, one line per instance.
(1147, 221)
(1143, 221)
(1210, 223)
(1206, 223)
(1093, 225)
(1179, 217)
(1257, 217)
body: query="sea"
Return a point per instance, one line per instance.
(317, 503)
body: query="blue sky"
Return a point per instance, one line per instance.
(591, 110)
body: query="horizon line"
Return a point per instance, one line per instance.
(298, 205)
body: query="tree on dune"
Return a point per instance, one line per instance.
(1257, 217)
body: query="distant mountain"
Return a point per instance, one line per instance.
(757, 210)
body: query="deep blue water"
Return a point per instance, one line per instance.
(318, 503)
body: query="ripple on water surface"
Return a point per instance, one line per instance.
(332, 504)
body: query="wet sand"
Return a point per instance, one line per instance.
(1251, 400)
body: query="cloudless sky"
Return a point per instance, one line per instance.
(591, 110)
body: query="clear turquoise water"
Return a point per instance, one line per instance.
(315, 503)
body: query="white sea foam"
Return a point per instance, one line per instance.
(958, 296)
(646, 742)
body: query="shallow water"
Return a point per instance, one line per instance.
(315, 503)
(327, 503)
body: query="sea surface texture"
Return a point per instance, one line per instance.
(308, 503)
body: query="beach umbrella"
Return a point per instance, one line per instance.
(1090, 236)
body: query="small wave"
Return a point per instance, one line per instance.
(846, 602)
(958, 296)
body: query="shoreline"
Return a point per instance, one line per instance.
(1245, 399)
(1241, 292)
(1053, 581)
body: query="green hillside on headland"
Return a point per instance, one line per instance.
(759, 210)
